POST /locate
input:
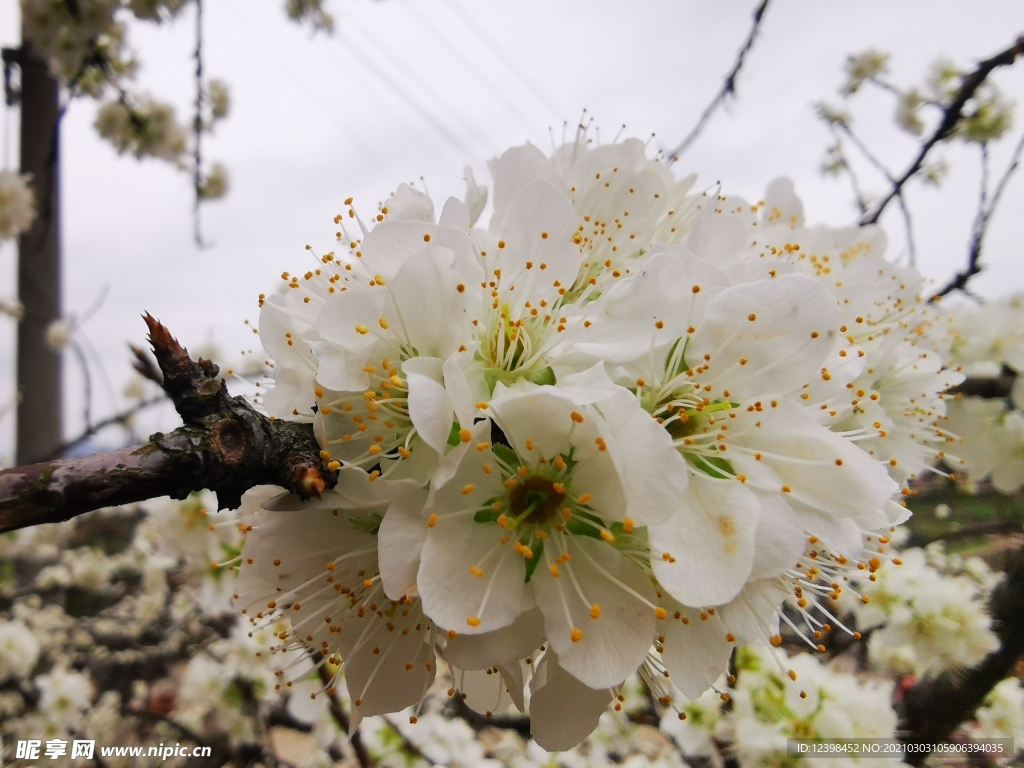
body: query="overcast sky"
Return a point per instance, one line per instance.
(406, 89)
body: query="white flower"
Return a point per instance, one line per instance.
(616, 429)
(19, 650)
(142, 127)
(316, 568)
(65, 695)
(215, 184)
(807, 702)
(17, 204)
(1001, 714)
(930, 622)
(58, 335)
(220, 98)
(864, 66)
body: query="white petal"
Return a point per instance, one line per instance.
(452, 595)
(817, 467)
(537, 228)
(655, 475)
(613, 645)
(709, 542)
(502, 646)
(454, 214)
(430, 408)
(779, 541)
(386, 669)
(516, 168)
(695, 651)
(621, 323)
(563, 711)
(483, 690)
(399, 541)
(783, 328)
(409, 204)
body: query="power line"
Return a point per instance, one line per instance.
(469, 67)
(365, 58)
(500, 54)
(307, 89)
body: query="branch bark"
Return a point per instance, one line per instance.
(933, 708)
(728, 87)
(225, 445)
(951, 116)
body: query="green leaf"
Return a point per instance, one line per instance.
(531, 564)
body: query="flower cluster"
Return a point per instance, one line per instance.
(17, 205)
(988, 343)
(766, 706)
(617, 428)
(926, 621)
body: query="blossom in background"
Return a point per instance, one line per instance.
(17, 204)
(143, 128)
(616, 429)
(925, 622)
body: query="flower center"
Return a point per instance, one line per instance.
(537, 498)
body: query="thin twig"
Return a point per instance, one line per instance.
(974, 266)
(951, 117)
(197, 127)
(728, 87)
(118, 418)
(881, 168)
(407, 744)
(86, 383)
(858, 193)
(341, 718)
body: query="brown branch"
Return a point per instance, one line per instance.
(959, 281)
(341, 718)
(933, 708)
(728, 87)
(225, 446)
(952, 115)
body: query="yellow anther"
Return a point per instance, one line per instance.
(465, 435)
(362, 329)
(585, 498)
(627, 525)
(473, 621)
(660, 613)
(432, 520)
(576, 635)
(478, 572)
(595, 611)
(467, 489)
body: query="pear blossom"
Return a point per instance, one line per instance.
(614, 430)
(17, 206)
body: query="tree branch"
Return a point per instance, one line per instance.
(225, 445)
(981, 220)
(728, 87)
(933, 708)
(952, 114)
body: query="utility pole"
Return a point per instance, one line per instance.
(39, 270)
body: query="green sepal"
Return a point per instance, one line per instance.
(531, 564)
